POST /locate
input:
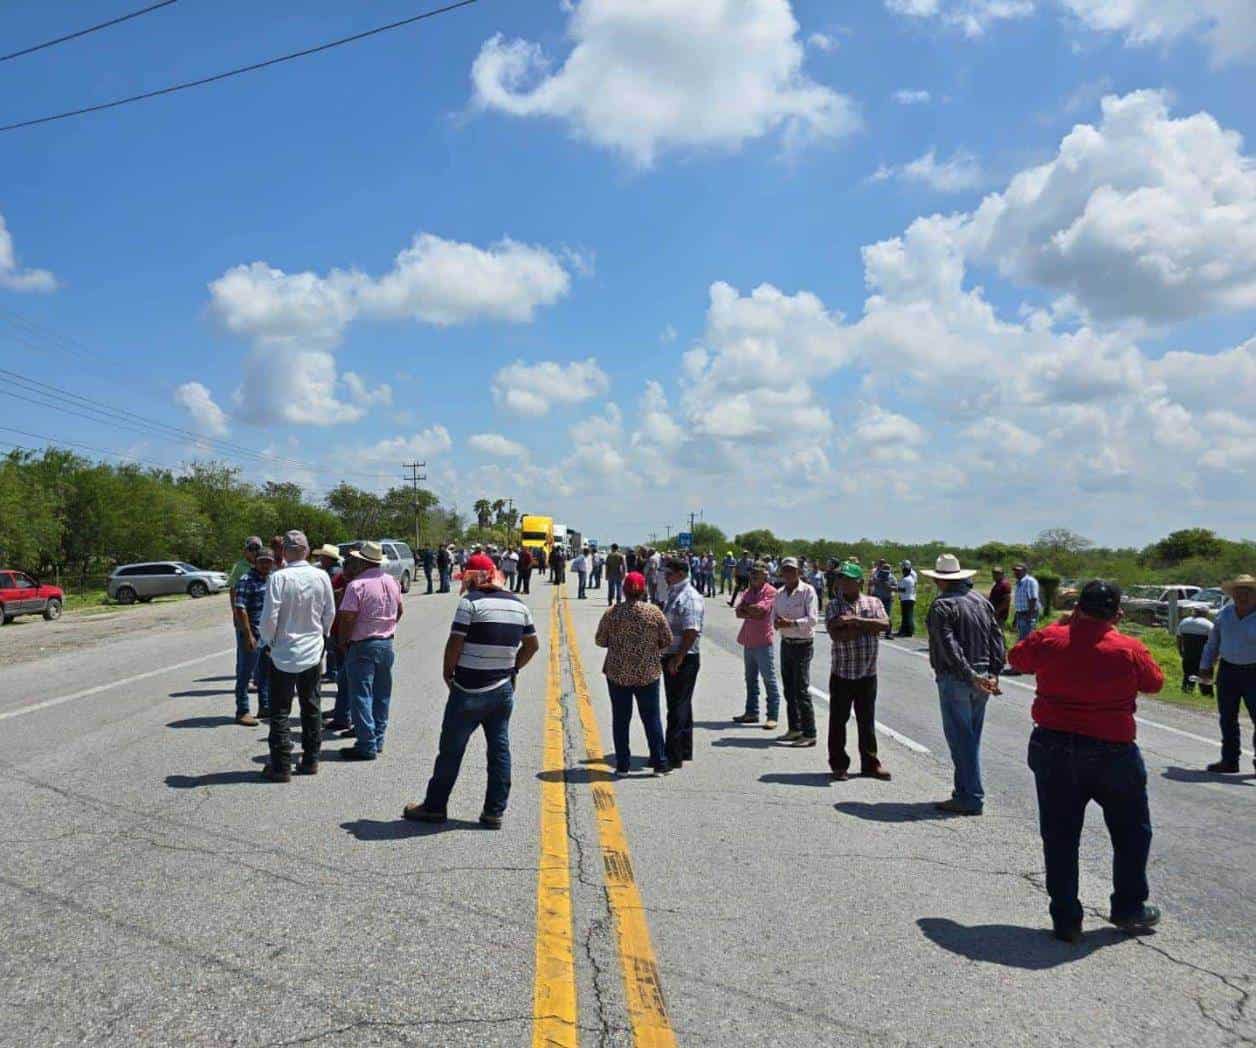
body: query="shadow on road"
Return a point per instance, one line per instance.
(797, 778)
(217, 778)
(214, 680)
(200, 693)
(894, 811)
(746, 744)
(725, 725)
(576, 775)
(1199, 775)
(400, 829)
(1013, 946)
(201, 722)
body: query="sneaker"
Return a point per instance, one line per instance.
(769, 725)
(272, 774)
(246, 720)
(954, 807)
(490, 822)
(1068, 933)
(789, 736)
(1139, 923)
(352, 753)
(418, 813)
(1223, 768)
(803, 742)
(746, 718)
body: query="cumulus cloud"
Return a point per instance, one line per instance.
(905, 96)
(14, 277)
(961, 173)
(1228, 27)
(972, 17)
(282, 383)
(532, 389)
(417, 447)
(208, 418)
(498, 446)
(823, 42)
(645, 78)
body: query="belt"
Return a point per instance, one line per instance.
(1246, 667)
(797, 640)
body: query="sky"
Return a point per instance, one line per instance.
(913, 269)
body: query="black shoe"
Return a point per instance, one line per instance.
(839, 776)
(263, 715)
(490, 822)
(1139, 923)
(418, 813)
(1068, 933)
(272, 774)
(307, 768)
(352, 753)
(1223, 768)
(337, 726)
(954, 807)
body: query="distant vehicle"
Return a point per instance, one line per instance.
(560, 537)
(574, 541)
(1210, 601)
(398, 559)
(160, 578)
(538, 532)
(20, 594)
(1150, 604)
(1067, 594)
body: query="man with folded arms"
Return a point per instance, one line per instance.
(795, 617)
(1082, 749)
(248, 595)
(1232, 644)
(757, 637)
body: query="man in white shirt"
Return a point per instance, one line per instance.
(795, 612)
(580, 565)
(907, 600)
(297, 614)
(1192, 636)
(510, 570)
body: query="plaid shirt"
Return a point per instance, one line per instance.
(855, 657)
(250, 594)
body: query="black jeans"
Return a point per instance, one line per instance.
(525, 580)
(678, 688)
(908, 626)
(1071, 771)
(282, 686)
(861, 695)
(739, 583)
(1236, 685)
(427, 574)
(800, 712)
(1192, 649)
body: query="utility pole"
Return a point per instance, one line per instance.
(510, 523)
(669, 532)
(414, 478)
(692, 515)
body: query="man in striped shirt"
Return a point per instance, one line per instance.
(492, 638)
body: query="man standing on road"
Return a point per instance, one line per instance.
(614, 575)
(1025, 601)
(429, 562)
(855, 623)
(684, 610)
(444, 567)
(492, 638)
(596, 560)
(340, 718)
(248, 597)
(252, 546)
(580, 565)
(795, 616)
(883, 588)
(907, 600)
(741, 575)
(366, 622)
(1001, 596)
(510, 570)
(328, 558)
(1082, 749)
(1232, 650)
(297, 615)
(726, 572)
(523, 580)
(558, 566)
(757, 637)
(1192, 637)
(966, 651)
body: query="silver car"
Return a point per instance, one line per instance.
(398, 559)
(159, 578)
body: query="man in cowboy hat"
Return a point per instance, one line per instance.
(1232, 649)
(327, 557)
(366, 622)
(966, 651)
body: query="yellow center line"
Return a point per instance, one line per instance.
(554, 989)
(643, 985)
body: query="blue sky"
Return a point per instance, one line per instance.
(971, 320)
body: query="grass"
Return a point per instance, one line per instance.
(95, 602)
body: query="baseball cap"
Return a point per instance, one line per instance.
(789, 562)
(1101, 599)
(850, 571)
(253, 543)
(481, 562)
(295, 539)
(265, 554)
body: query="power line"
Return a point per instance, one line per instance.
(83, 32)
(239, 71)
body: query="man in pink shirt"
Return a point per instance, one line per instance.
(757, 637)
(365, 624)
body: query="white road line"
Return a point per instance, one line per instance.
(86, 692)
(1141, 720)
(897, 736)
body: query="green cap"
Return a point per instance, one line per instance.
(851, 571)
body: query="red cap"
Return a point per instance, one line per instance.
(634, 583)
(481, 562)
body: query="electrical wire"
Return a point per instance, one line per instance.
(83, 32)
(239, 71)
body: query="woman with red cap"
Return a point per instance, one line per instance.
(634, 635)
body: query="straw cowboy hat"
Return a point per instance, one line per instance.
(1242, 582)
(371, 552)
(327, 550)
(947, 569)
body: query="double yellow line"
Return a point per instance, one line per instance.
(554, 996)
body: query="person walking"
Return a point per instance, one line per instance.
(1082, 749)
(492, 638)
(615, 572)
(741, 575)
(1192, 637)
(1001, 596)
(510, 570)
(635, 634)
(883, 588)
(297, 614)
(252, 662)
(523, 579)
(907, 600)
(367, 620)
(1025, 604)
(580, 565)
(757, 639)
(684, 610)
(855, 622)
(966, 651)
(726, 572)
(444, 567)
(795, 615)
(1231, 655)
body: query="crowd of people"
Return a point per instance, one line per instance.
(293, 607)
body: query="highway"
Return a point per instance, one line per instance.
(156, 891)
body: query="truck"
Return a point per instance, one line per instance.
(538, 532)
(560, 536)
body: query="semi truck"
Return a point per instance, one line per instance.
(538, 532)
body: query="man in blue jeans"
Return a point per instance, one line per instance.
(757, 638)
(966, 651)
(492, 638)
(249, 594)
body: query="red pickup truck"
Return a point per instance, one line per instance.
(22, 595)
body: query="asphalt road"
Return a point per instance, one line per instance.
(155, 891)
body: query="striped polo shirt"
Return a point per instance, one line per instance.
(493, 624)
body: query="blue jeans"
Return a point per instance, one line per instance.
(614, 590)
(1025, 623)
(341, 713)
(1070, 771)
(369, 664)
(251, 665)
(761, 662)
(647, 699)
(444, 579)
(582, 580)
(963, 715)
(464, 712)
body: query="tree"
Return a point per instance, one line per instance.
(1061, 540)
(709, 537)
(360, 510)
(483, 512)
(758, 541)
(1185, 544)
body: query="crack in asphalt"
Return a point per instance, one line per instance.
(403, 1024)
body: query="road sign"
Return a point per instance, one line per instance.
(685, 540)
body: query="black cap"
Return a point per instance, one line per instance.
(1100, 599)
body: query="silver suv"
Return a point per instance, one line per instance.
(143, 582)
(398, 559)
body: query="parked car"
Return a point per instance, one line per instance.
(1210, 601)
(20, 594)
(398, 559)
(160, 578)
(1150, 604)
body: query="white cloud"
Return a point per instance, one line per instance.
(208, 418)
(961, 173)
(668, 335)
(532, 389)
(972, 17)
(388, 454)
(643, 78)
(282, 383)
(905, 96)
(498, 446)
(12, 276)
(823, 42)
(1228, 27)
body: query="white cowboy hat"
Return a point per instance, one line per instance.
(327, 550)
(371, 552)
(1242, 582)
(947, 568)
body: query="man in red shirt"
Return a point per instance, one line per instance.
(1082, 749)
